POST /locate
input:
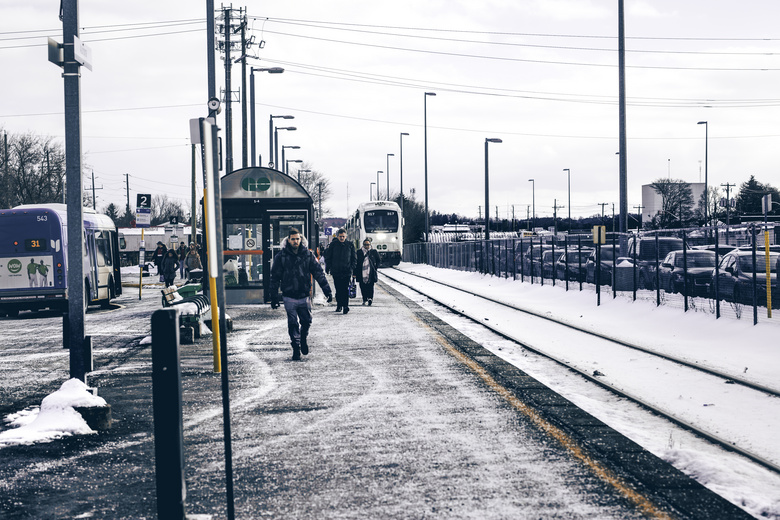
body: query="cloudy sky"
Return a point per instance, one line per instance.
(540, 75)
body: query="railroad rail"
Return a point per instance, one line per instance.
(393, 275)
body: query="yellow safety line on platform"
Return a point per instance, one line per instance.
(642, 502)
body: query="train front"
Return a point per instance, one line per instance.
(383, 226)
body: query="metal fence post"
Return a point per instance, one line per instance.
(755, 280)
(717, 275)
(657, 274)
(167, 404)
(685, 271)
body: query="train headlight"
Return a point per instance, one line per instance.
(381, 236)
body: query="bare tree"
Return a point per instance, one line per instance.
(318, 186)
(33, 169)
(163, 208)
(676, 203)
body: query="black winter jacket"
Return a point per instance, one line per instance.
(340, 258)
(293, 272)
(373, 261)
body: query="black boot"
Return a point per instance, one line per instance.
(296, 352)
(346, 309)
(304, 343)
(338, 308)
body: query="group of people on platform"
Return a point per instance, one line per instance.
(169, 261)
(295, 265)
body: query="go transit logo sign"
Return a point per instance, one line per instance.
(250, 184)
(14, 266)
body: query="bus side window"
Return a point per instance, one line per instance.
(102, 249)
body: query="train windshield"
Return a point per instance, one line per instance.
(381, 221)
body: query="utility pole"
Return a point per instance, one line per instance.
(226, 46)
(93, 190)
(622, 118)
(728, 202)
(244, 158)
(639, 210)
(556, 207)
(602, 204)
(127, 187)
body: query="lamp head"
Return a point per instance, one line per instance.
(493, 140)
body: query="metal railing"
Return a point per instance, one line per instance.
(719, 270)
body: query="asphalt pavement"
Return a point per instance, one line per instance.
(393, 414)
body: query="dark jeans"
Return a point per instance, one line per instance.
(367, 290)
(297, 310)
(342, 292)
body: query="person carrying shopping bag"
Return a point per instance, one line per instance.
(368, 262)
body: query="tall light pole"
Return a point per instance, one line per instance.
(401, 164)
(252, 70)
(371, 191)
(387, 187)
(287, 166)
(271, 162)
(533, 203)
(706, 193)
(279, 166)
(292, 147)
(377, 183)
(425, 125)
(568, 176)
(487, 191)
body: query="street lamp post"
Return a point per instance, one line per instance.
(287, 166)
(533, 203)
(568, 176)
(377, 183)
(371, 191)
(487, 191)
(401, 164)
(271, 134)
(252, 70)
(425, 125)
(279, 166)
(387, 187)
(292, 147)
(706, 193)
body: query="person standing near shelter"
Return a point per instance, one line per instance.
(182, 254)
(192, 259)
(157, 258)
(340, 263)
(169, 265)
(368, 262)
(292, 270)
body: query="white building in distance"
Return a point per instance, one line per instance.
(652, 201)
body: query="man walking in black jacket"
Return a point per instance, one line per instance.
(292, 269)
(340, 262)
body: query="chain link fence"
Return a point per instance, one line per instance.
(725, 271)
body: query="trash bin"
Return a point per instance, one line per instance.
(190, 289)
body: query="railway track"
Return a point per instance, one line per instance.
(578, 343)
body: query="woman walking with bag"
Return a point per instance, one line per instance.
(368, 262)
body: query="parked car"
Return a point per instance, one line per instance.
(606, 266)
(550, 259)
(722, 248)
(673, 276)
(577, 262)
(530, 259)
(646, 256)
(735, 277)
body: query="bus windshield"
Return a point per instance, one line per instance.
(381, 221)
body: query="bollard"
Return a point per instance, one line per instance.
(167, 403)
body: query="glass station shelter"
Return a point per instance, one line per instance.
(259, 206)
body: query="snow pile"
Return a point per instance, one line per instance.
(54, 419)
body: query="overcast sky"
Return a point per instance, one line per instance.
(540, 75)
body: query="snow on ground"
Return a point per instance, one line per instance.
(734, 346)
(55, 418)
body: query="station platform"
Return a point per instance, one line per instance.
(393, 414)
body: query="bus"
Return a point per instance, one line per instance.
(34, 257)
(380, 221)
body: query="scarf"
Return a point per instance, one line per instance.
(366, 266)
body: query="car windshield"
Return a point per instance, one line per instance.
(700, 259)
(578, 256)
(746, 263)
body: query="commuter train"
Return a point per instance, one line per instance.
(34, 257)
(382, 222)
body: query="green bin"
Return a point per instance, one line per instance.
(185, 291)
